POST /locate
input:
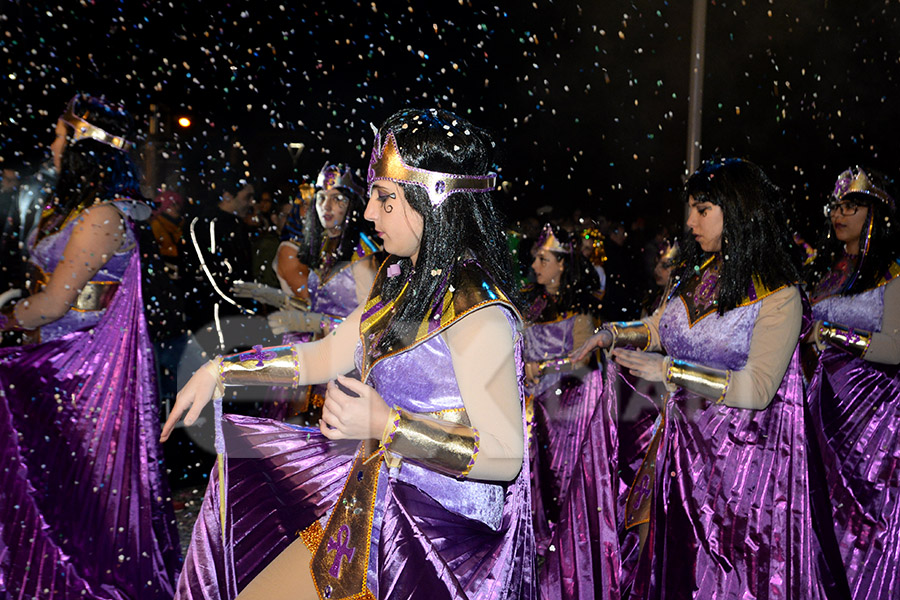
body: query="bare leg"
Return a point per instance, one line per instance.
(286, 578)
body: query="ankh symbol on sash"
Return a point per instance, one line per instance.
(339, 544)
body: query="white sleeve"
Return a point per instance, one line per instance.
(483, 354)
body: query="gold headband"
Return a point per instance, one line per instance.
(85, 130)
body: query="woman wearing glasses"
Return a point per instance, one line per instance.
(324, 275)
(855, 391)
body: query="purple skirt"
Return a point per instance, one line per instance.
(85, 510)
(855, 407)
(276, 480)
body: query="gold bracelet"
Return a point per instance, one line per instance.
(629, 333)
(439, 445)
(704, 381)
(852, 341)
(277, 365)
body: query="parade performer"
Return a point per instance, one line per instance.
(441, 506)
(724, 485)
(563, 394)
(84, 506)
(854, 396)
(324, 275)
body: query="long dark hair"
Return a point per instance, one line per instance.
(883, 246)
(577, 285)
(755, 237)
(91, 171)
(314, 234)
(465, 224)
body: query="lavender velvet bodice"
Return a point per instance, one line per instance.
(46, 255)
(720, 342)
(862, 311)
(544, 341)
(337, 296)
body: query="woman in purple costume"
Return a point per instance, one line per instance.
(324, 275)
(562, 394)
(726, 492)
(441, 506)
(84, 506)
(854, 395)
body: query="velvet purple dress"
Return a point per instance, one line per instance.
(855, 406)
(84, 504)
(429, 535)
(730, 514)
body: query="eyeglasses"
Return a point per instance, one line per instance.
(322, 196)
(846, 208)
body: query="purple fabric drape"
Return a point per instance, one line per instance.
(855, 407)
(84, 505)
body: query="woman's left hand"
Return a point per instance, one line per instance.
(646, 365)
(345, 417)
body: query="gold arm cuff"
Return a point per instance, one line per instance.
(629, 333)
(277, 365)
(705, 381)
(852, 341)
(439, 445)
(95, 295)
(298, 303)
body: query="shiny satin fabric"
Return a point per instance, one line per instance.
(85, 510)
(563, 404)
(731, 514)
(583, 560)
(855, 407)
(432, 536)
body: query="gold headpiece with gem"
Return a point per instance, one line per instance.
(855, 181)
(548, 241)
(85, 130)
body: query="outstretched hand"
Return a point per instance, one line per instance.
(646, 365)
(346, 417)
(602, 340)
(196, 393)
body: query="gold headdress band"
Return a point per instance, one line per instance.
(856, 181)
(84, 130)
(386, 163)
(548, 241)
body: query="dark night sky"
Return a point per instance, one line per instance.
(588, 100)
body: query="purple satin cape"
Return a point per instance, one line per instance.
(85, 510)
(583, 560)
(855, 407)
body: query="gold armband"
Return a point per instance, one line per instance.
(277, 365)
(852, 341)
(557, 364)
(443, 446)
(705, 381)
(298, 303)
(629, 333)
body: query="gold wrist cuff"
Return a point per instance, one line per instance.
(629, 333)
(439, 445)
(277, 365)
(705, 381)
(852, 341)
(298, 303)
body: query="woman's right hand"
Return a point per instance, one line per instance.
(602, 340)
(196, 394)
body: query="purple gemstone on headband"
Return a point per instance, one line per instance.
(440, 186)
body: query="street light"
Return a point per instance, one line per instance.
(184, 122)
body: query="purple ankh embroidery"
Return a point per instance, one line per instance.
(258, 354)
(340, 545)
(642, 491)
(705, 292)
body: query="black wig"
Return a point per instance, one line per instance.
(311, 248)
(91, 171)
(577, 286)
(466, 224)
(755, 236)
